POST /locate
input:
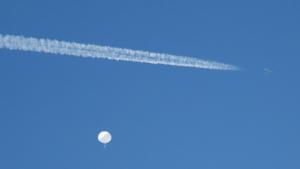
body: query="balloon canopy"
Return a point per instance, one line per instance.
(104, 137)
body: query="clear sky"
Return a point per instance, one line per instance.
(161, 117)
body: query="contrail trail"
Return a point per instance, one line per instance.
(13, 42)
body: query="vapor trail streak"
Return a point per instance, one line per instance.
(13, 42)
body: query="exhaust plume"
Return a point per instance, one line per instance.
(22, 43)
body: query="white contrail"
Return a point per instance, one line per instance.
(105, 52)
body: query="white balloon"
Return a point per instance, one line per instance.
(104, 137)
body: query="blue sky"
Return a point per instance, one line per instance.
(52, 107)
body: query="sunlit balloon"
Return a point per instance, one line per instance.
(104, 137)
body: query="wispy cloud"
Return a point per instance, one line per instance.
(13, 42)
